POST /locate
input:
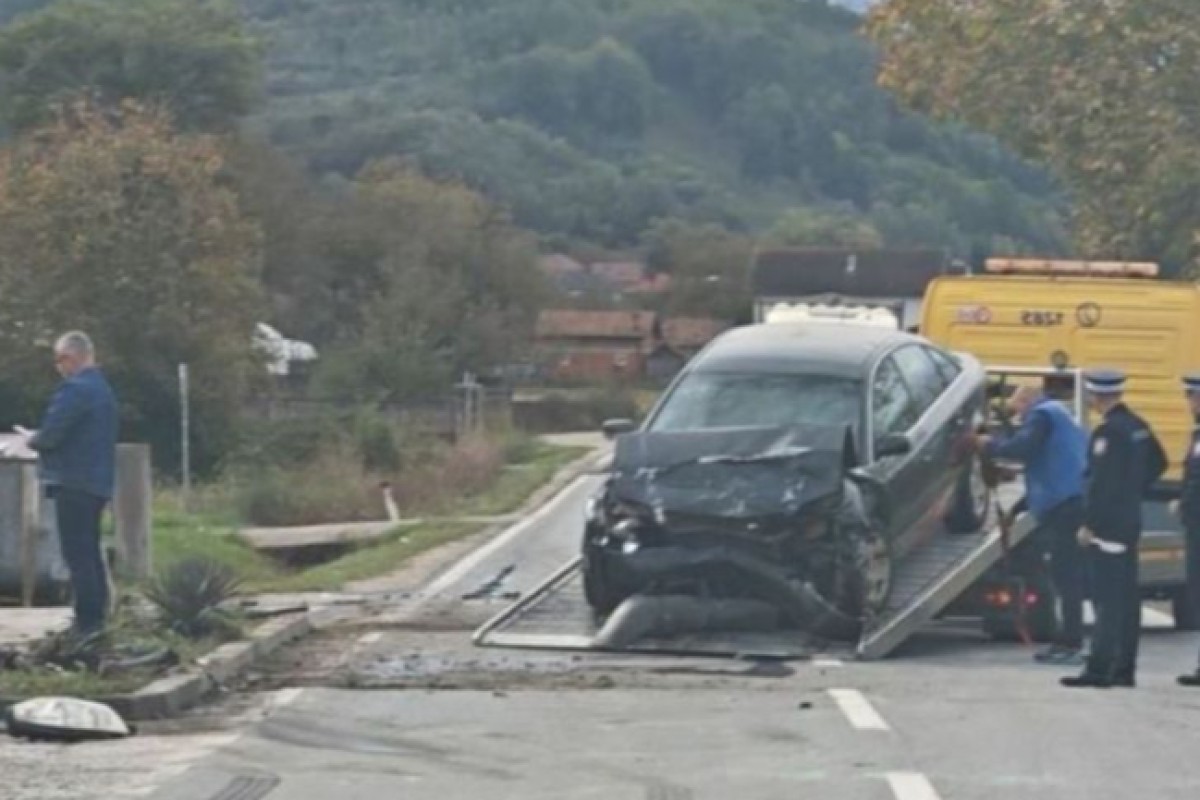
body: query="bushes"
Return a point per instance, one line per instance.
(331, 468)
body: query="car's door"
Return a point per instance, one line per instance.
(893, 410)
(936, 437)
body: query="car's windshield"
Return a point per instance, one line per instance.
(705, 400)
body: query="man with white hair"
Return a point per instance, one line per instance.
(1053, 449)
(77, 445)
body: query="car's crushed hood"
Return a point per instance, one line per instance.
(739, 473)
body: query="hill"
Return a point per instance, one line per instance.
(590, 119)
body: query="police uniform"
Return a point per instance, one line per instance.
(1189, 513)
(1124, 460)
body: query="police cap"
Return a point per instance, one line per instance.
(1105, 381)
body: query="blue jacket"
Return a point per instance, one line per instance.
(1053, 449)
(77, 441)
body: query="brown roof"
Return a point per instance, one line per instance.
(692, 331)
(558, 264)
(595, 324)
(798, 272)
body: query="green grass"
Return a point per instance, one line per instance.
(518, 482)
(178, 536)
(371, 561)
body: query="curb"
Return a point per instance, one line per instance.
(174, 694)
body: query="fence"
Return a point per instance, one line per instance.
(473, 408)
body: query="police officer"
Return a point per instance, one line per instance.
(1124, 460)
(1188, 508)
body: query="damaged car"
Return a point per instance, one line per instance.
(791, 465)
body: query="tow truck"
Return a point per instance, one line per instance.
(1056, 315)
(926, 584)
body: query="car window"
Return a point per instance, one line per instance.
(921, 374)
(893, 407)
(946, 365)
(705, 400)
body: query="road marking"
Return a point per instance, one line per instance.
(858, 710)
(911, 786)
(371, 638)
(473, 560)
(827, 662)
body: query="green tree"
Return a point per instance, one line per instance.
(709, 268)
(118, 225)
(442, 282)
(1102, 92)
(193, 56)
(803, 227)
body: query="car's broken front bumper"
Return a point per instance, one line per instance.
(748, 568)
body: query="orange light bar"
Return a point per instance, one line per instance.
(1030, 266)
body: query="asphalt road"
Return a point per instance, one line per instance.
(951, 716)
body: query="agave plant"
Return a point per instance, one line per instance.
(189, 594)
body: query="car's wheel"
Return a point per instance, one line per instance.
(971, 506)
(1184, 610)
(598, 588)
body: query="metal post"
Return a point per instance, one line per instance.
(185, 450)
(30, 531)
(132, 511)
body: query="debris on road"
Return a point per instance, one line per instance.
(65, 719)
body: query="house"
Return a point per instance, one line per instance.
(889, 277)
(592, 346)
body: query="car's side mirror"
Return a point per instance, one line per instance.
(893, 444)
(616, 427)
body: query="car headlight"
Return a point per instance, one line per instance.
(593, 510)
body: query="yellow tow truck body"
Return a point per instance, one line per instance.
(1035, 313)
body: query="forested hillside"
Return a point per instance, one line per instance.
(589, 119)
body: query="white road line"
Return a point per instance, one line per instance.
(370, 638)
(285, 697)
(858, 710)
(472, 561)
(911, 786)
(827, 662)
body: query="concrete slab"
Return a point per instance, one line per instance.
(23, 625)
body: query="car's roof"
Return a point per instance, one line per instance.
(827, 349)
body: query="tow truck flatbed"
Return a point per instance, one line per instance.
(555, 616)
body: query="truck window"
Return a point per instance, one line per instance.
(893, 407)
(921, 375)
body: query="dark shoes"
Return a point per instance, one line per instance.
(1192, 680)
(1086, 681)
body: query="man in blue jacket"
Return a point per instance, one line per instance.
(1053, 449)
(77, 445)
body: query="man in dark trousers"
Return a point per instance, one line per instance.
(77, 445)
(1125, 460)
(1053, 449)
(1188, 509)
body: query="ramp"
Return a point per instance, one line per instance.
(555, 616)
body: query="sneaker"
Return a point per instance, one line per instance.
(1060, 656)
(1192, 680)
